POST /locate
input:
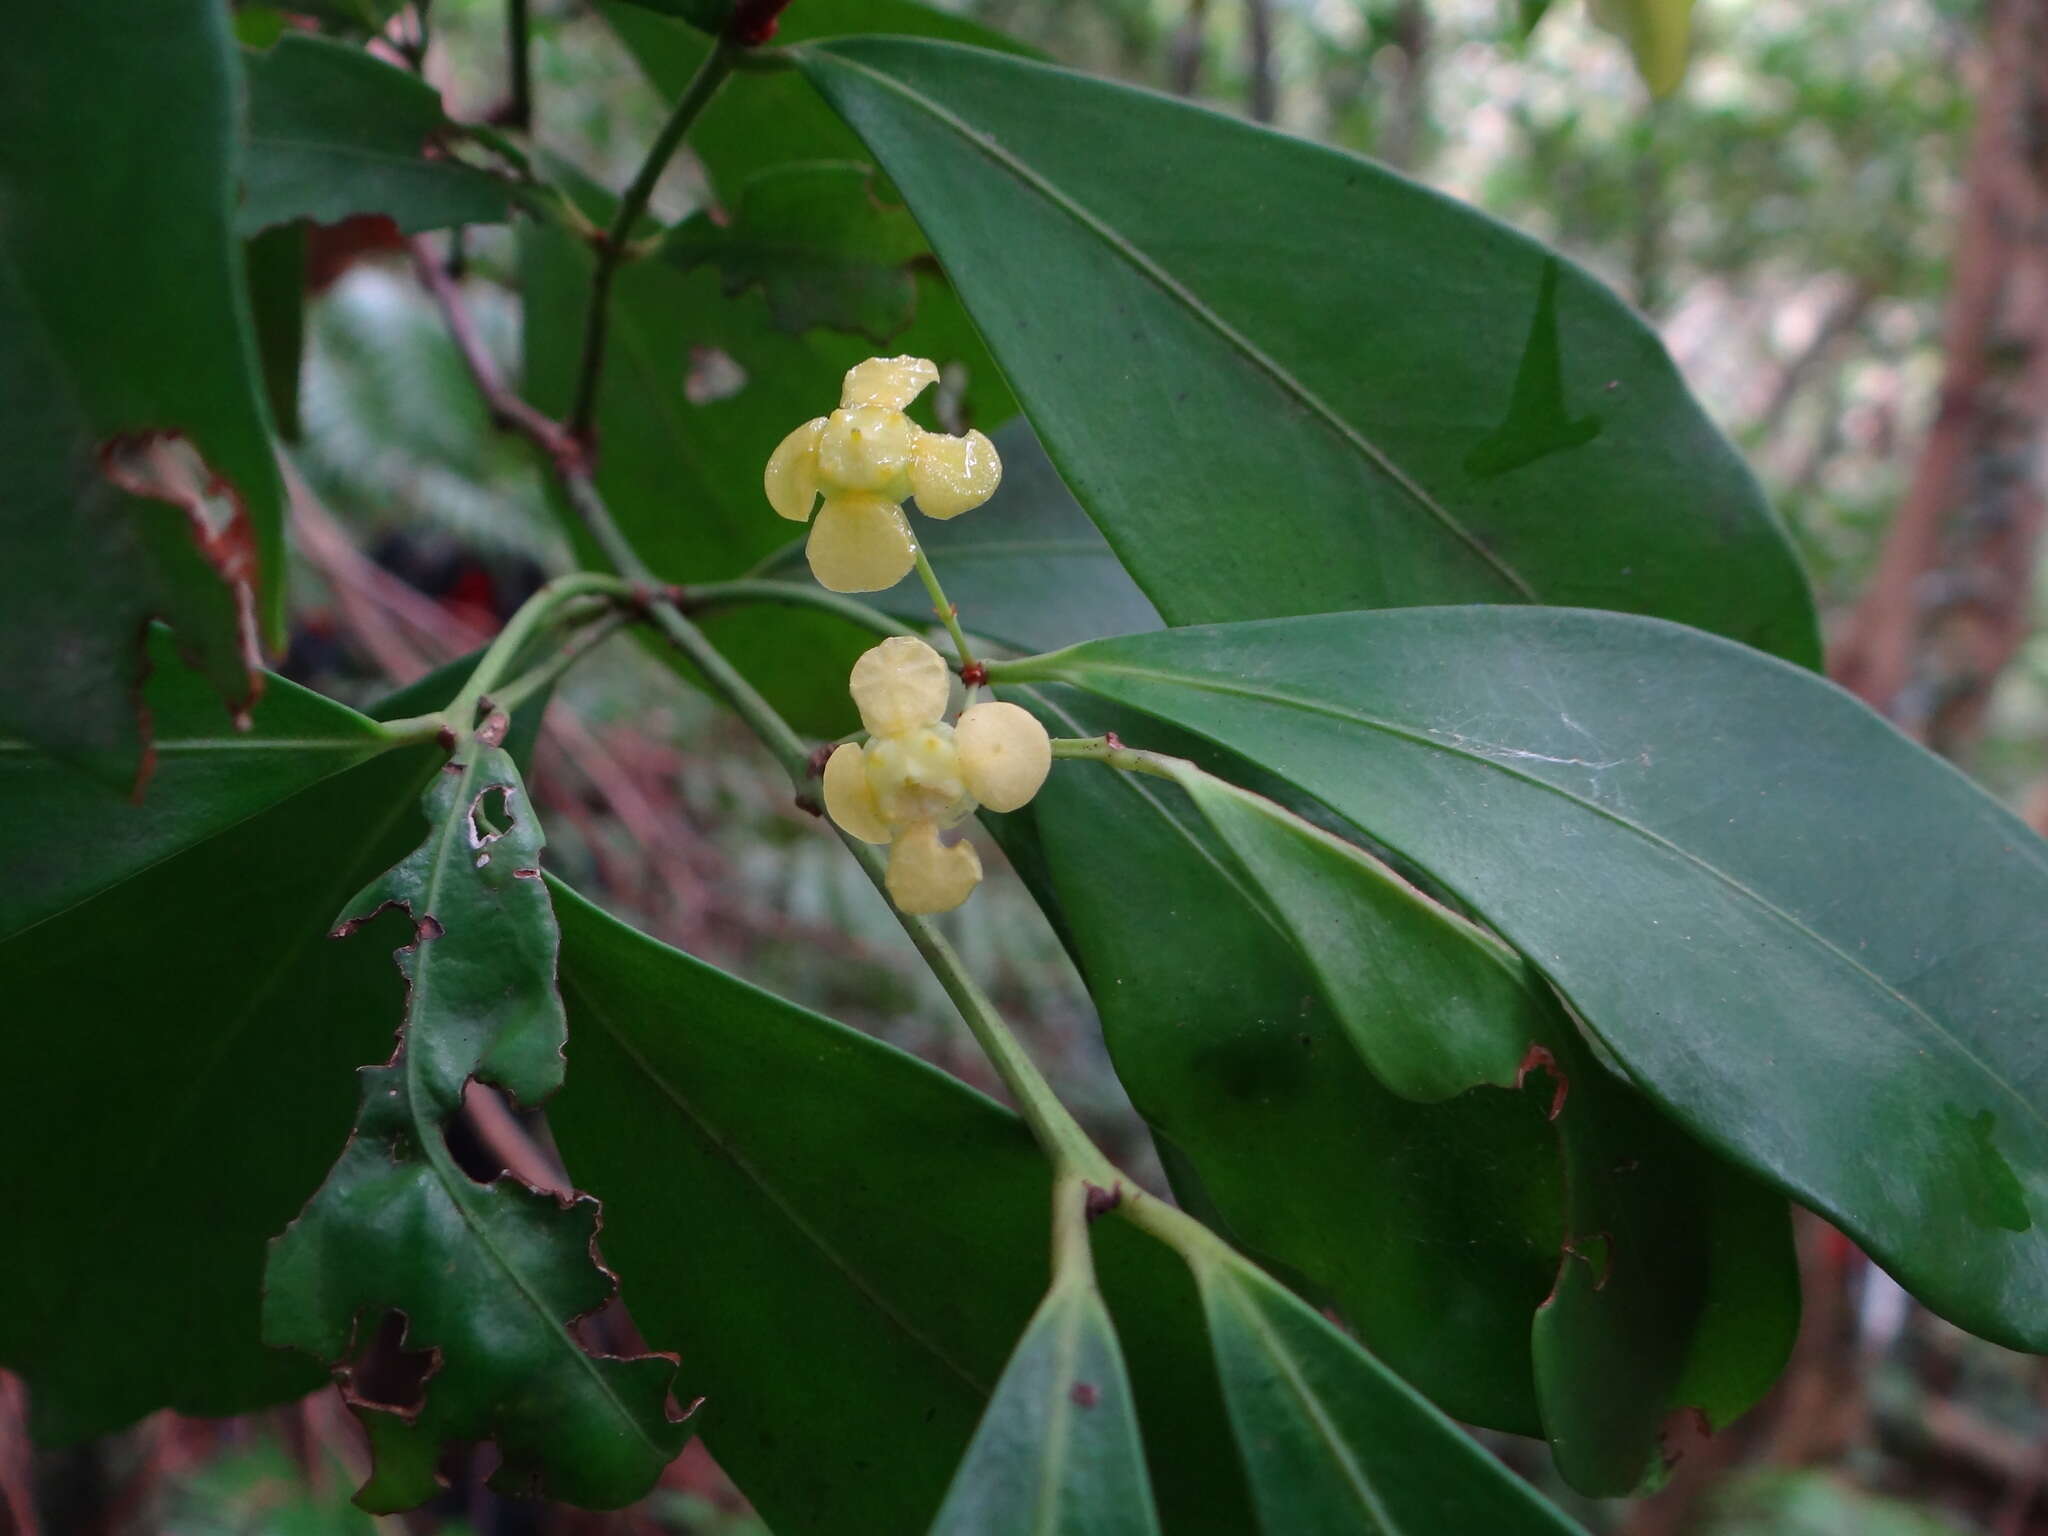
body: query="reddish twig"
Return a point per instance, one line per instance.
(508, 411)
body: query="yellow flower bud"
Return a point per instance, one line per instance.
(951, 475)
(890, 382)
(860, 543)
(868, 448)
(849, 799)
(925, 875)
(1004, 754)
(865, 458)
(918, 776)
(899, 685)
(791, 478)
(915, 776)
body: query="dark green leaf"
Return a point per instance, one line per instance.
(1436, 1230)
(1409, 982)
(334, 132)
(820, 243)
(880, 1242)
(276, 262)
(1028, 569)
(772, 119)
(706, 15)
(1348, 392)
(489, 1277)
(1057, 1451)
(139, 473)
(191, 1077)
(1333, 1443)
(1802, 934)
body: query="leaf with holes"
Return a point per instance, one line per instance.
(1800, 933)
(1255, 971)
(139, 470)
(1057, 1450)
(334, 133)
(1349, 392)
(881, 1242)
(209, 1018)
(488, 1277)
(820, 243)
(1332, 1442)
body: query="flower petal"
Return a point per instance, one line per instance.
(1004, 754)
(791, 479)
(860, 544)
(951, 475)
(849, 799)
(899, 685)
(927, 876)
(890, 381)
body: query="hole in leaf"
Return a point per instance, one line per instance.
(386, 1374)
(713, 375)
(490, 818)
(472, 1154)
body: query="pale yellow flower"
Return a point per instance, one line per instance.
(865, 459)
(918, 778)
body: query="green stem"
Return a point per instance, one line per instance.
(947, 613)
(613, 249)
(733, 594)
(510, 696)
(1070, 1255)
(1058, 1133)
(538, 611)
(412, 729)
(1105, 749)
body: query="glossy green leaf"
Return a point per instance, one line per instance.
(196, 1075)
(1801, 933)
(1412, 988)
(1027, 570)
(139, 471)
(1348, 392)
(880, 1243)
(1057, 1452)
(1335, 1444)
(820, 242)
(1438, 1231)
(773, 119)
(490, 1277)
(334, 132)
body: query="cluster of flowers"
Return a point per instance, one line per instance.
(917, 780)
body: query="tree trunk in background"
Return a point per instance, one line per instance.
(1950, 603)
(1184, 53)
(1261, 93)
(1406, 116)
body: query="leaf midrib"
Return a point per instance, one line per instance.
(1247, 1308)
(1167, 283)
(1206, 684)
(459, 1187)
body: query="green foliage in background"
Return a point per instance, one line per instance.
(1488, 908)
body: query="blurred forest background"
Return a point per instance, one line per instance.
(1840, 224)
